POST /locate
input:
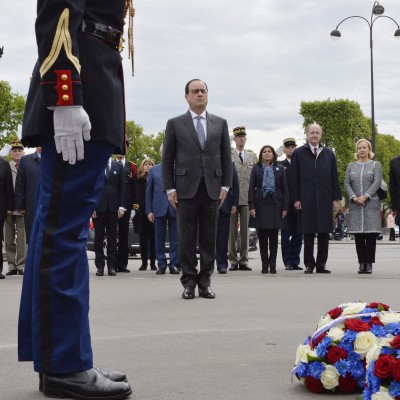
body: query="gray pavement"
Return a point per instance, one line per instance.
(239, 346)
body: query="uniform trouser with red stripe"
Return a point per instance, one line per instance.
(53, 321)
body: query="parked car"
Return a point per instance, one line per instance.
(134, 240)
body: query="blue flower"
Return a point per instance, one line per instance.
(352, 355)
(367, 394)
(307, 341)
(349, 336)
(393, 328)
(302, 370)
(373, 382)
(315, 369)
(323, 345)
(342, 367)
(356, 369)
(394, 389)
(378, 331)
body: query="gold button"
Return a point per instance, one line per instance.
(64, 77)
(65, 97)
(64, 88)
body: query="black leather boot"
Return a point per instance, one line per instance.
(361, 269)
(264, 268)
(368, 268)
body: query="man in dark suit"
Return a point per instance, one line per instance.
(316, 191)
(162, 213)
(394, 186)
(77, 84)
(123, 222)
(228, 208)
(197, 174)
(26, 186)
(112, 207)
(6, 200)
(291, 239)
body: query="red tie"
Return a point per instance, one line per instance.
(16, 165)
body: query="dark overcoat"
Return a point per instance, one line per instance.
(140, 218)
(93, 69)
(315, 183)
(268, 209)
(6, 189)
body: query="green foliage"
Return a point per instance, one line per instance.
(12, 107)
(142, 145)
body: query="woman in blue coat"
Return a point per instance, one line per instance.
(268, 204)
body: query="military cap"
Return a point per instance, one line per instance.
(16, 145)
(289, 142)
(239, 130)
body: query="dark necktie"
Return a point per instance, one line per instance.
(200, 132)
(241, 157)
(16, 165)
(315, 150)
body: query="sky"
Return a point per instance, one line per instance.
(260, 60)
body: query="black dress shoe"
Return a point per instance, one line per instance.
(153, 267)
(233, 267)
(20, 272)
(222, 271)
(244, 267)
(368, 268)
(309, 270)
(322, 271)
(288, 267)
(361, 268)
(206, 292)
(2, 276)
(100, 272)
(114, 376)
(160, 272)
(188, 293)
(125, 270)
(272, 270)
(12, 272)
(87, 385)
(143, 267)
(111, 272)
(173, 271)
(297, 268)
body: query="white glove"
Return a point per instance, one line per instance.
(132, 213)
(71, 126)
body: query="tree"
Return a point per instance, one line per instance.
(12, 107)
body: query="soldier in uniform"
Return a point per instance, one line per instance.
(75, 111)
(244, 162)
(291, 239)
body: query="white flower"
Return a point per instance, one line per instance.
(324, 320)
(301, 354)
(336, 333)
(386, 340)
(373, 354)
(354, 308)
(388, 316)
(330, 377)
(364, 342)
(383, 394)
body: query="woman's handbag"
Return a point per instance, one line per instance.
(382, 191)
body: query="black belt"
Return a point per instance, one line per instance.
(110, 35)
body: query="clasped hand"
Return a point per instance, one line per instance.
(71, 126)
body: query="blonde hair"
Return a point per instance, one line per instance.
(146, 161)
(370, 155)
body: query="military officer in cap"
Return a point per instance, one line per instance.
(75, 111)
(244, 162)
(291, 240)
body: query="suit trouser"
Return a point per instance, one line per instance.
(123, 240)
(1, 242)
(160, 227)
(242, 215)
(200, 213)
(322, 254)
(291, 240)
(53, 326)
(268, 238)
(221, 251)
(105, 222)
(147, 237)
(366, 247)
(14, 241)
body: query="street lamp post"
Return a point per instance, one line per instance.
(377, 11)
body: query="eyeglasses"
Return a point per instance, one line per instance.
(197, 91)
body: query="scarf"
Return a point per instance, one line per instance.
(268, 183)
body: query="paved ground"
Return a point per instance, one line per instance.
(239, 346)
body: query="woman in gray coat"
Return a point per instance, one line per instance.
(363, 179)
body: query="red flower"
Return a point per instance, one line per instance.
(375, 321)
(318, 339)
(335, 312)
(347, 384)
(314, 385)
(335, 354)
(396, 342)
(384, 366)
(396, 370)
(357, 325)
(376, 305)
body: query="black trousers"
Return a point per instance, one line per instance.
(322, 253)
(123, 236)
(268, 237)
(366, 247)
(105, 222)
(1, 243)
(147, 237)
(199, 213)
